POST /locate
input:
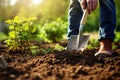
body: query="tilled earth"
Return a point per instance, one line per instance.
(60, 65)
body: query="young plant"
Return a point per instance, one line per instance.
(93, 43)
(34, 50)
(21, 33)
(45, 51)
(59, 47)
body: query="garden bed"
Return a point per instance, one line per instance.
(60, 65)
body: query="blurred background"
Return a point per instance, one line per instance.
(49, 13)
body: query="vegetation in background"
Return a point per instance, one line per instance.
(53, 31)
(21, 33)
(49, 11)
(118, 14)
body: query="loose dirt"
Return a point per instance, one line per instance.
(60, 65)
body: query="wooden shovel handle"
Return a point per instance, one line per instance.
(84, 17)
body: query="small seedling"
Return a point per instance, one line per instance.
(93, 43)
(45, 51)
(59, 47)
(34, 50)
(21, 33)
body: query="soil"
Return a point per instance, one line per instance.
(60, 65)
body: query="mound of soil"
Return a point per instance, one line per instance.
(60, 65)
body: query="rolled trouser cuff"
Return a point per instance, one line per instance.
(107, 33)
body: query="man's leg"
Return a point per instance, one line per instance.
(107, 26)
(75, 15)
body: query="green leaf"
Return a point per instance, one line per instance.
(26, 26)
(12, 34)
(59, 47)
(16, 19)
(9, 21)
(11, 27)
(34, 47)
(9, 42)
(33, 52)
(33, 30)
(24, 34)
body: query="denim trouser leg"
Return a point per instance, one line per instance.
(75, 15)
(107, 19)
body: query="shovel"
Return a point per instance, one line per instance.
(79, 42)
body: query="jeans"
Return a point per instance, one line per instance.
(107, 18)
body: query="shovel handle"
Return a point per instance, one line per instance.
(84, 17)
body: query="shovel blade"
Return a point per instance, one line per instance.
(73, 43)
(83, 43)
(77, 43)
